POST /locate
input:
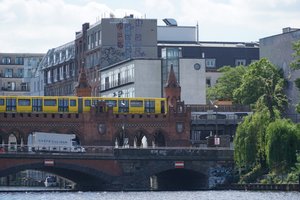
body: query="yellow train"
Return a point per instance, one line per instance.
(73, 104)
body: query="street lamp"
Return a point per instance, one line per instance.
(216, 139)
(216, 106)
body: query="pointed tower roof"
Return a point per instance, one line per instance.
(82, 81)
(172, 81)
(83, 88)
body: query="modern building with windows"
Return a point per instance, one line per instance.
(113, 40)
(16, 72)
(132, 57)
(279, 49)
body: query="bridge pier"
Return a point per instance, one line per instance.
(129, 169)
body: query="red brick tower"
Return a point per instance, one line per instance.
(83, 89)
(172, 90)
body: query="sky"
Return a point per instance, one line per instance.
(35, 26)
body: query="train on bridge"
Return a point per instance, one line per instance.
(74, 104)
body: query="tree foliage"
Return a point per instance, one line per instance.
(250, 140)
(281, 145)
(227, 83)
(262, 82)
(296, 63)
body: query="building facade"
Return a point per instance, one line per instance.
(59, 71)
(16, 71)
(279, 49)
(113, 40)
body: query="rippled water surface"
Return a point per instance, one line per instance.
(197, 195)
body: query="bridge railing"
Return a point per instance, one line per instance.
(13, 148)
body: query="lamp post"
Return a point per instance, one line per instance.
(216, 106)
(216, 139)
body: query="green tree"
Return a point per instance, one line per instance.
(296, 63)
(230, 80)
(250, 141)
(281, 145)
(262, 82)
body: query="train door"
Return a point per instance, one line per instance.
(63, 105)
(123, 106)
(11, 104)
(80, 105)
(37, 105)
(162, 107)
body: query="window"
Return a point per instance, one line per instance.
(239, 62)
(20, 73)
(106, 83)
(87, 103)
(23, 102)
(111, 103)
(149, 106)
(61, 73)
(55, 75)
(24, 87)
(67, 71)
(6, 60)
(50, 102)
(208, 82)
(11, 86)
(49, 77)
(8, 73)
(1, 102)
(136, 103)
(19, 61)
(210, 62)
(72, 102)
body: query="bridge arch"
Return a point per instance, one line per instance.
(178, 179)
(159, 138)
(166, 177)
(121, 137)
(86, 179)
(141, 138)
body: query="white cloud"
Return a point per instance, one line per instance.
(38, 25)
(240, 20)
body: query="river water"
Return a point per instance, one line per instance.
(194, 195)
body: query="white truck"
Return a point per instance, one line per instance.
(53, 142)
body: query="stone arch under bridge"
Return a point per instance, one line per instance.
(87, 176)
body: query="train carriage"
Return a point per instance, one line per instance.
(73, 104)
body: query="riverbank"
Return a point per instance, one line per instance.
(261, 187)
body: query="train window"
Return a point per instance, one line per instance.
(149, 106)
(136, 103)
(111, 103)
(50, 102)
(87, 103)
(24, 102)
(1, 102)
(72, 102)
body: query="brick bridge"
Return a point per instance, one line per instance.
(130, 169)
